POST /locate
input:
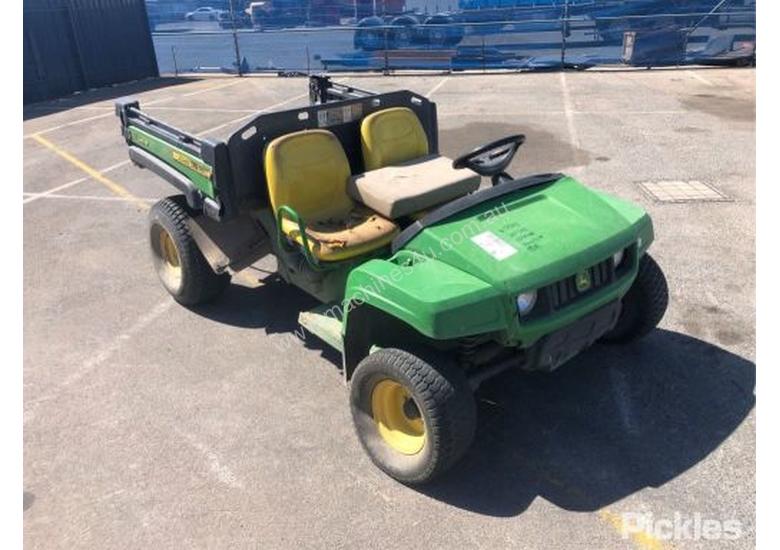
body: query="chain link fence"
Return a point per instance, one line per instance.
(297, 36)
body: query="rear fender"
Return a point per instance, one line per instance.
(230, 245)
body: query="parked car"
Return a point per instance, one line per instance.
(243, 21)
(203, 14)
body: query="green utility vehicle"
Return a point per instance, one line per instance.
(429, 282)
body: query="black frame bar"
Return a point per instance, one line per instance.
(238, 174)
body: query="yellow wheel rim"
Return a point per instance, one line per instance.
(170, 264)
(168, 250)
(397, 417)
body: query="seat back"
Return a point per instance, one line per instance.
(308, 171)
(392, 136)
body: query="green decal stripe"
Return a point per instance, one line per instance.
(197, 171)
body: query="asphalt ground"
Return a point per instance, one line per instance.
(149, 425)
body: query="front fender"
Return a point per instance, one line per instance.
(435, 299)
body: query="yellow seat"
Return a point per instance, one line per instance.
(308, 172)
(392, 136)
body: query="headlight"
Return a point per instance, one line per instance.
(617, 257)
(526, 302)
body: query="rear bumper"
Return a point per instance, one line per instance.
(554, 349)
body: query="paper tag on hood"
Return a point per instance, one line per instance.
(494, 245)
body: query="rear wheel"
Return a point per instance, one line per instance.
(414, 417)
(179, 263)
(644, 304)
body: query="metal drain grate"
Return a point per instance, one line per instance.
(682, 191)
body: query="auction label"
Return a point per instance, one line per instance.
(494, 245)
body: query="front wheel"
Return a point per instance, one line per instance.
(644, 304)
(179, 263)
(414, 417)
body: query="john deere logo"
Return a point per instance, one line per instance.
(582, 280)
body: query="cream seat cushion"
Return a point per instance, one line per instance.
(308, 172)
(412, 186)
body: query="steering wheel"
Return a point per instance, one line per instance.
(491, 160)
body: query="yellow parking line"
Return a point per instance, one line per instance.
(641, 539)
(116, 188)
(95, 174)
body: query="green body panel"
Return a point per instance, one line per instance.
(437, 299)
(197, 171)
(544, 234)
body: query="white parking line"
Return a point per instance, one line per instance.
(568, 111)
(147, 104)
(213, 88)
(30, 197)
(218, 469)
(110, 109)
(57, 109)
(436, 88)
(35, 196)
(71, 123)
(197, 109)
(545, 113)
(265, 109)
(49, 195)
(697, 76)
(225, 124)
(98, 358)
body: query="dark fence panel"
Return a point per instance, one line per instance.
(72, 45)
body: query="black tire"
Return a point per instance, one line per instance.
(367, 37)
(440, 31)
(644, 304)
(402, 33)
(440, 395)
(192, 281)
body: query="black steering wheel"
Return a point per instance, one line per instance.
(491, 160)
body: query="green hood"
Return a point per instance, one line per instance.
(530, 238)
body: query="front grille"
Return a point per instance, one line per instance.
(564, 292)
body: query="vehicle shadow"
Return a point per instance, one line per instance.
(273, 307)
(612, 421)
(607, 424)
(44, 108)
